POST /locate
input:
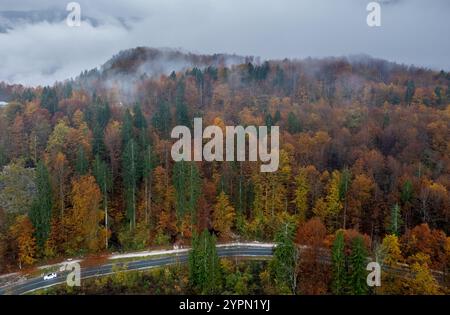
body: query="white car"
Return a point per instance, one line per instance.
(50, 276)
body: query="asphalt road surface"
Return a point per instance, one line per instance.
(163, 259)
(37, 283)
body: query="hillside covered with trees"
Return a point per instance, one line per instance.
(364, 163)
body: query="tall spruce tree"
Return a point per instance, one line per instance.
(213, 272)
(142, 141)
(358, 274)
(103, 177)
(162, 119)
(204, 267)
(82, 164)
(395, 220)
(344, 186)
(194, 189)
(410, 91)
(293, 123)
(338, 258)
(407, 192)
(285, 263)
(147, 172)
(181, 110)
(179, 182)
(98, 116)
(98, 144)
(129, 168)
(186, 181)
(49, 99)
(41, 208)
(195, 261)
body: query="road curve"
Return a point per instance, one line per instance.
(37, 283)
(147, 260)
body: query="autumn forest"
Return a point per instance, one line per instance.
(85, 166)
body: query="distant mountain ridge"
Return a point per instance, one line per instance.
(130, 66)
(125, 70)
(145, 60)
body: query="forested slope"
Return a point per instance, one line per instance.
(365, 146)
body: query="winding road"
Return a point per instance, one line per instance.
(159, 258)
(173, 257)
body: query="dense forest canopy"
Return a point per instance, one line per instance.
(85, 164)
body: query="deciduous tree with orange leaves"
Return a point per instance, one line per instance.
(82, 224)
(313, 273)
(22, 231)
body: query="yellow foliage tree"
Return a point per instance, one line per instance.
(223, 216)
(328, 208)
(301, 194)
(271, 198)
(423, 283)
(390, 251)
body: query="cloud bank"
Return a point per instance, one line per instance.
(39, 48)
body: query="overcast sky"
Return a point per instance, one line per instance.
(37, 46)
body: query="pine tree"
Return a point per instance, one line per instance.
(98, 116)
(285, 263)
(181, 110)
(301, 194)
(60, 170)
(344, 186)
(147, 174)
(139, 120)
(67, 90)
(186, 181)
(395, 220)
(127, 127)
(204, 267)
(407, 192)
(293, 123)
(195, 261)
(49, 100)
(129, 171)
(213, 272)
(410, 91)
(82, 164)
(406, 197)
(338, 258)
(162, 119)
(179, 182)
(142, 141)
(358, 274)
(194, 190)
(103, 177)
(129, 168)
(98, 143)
(41, 209)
